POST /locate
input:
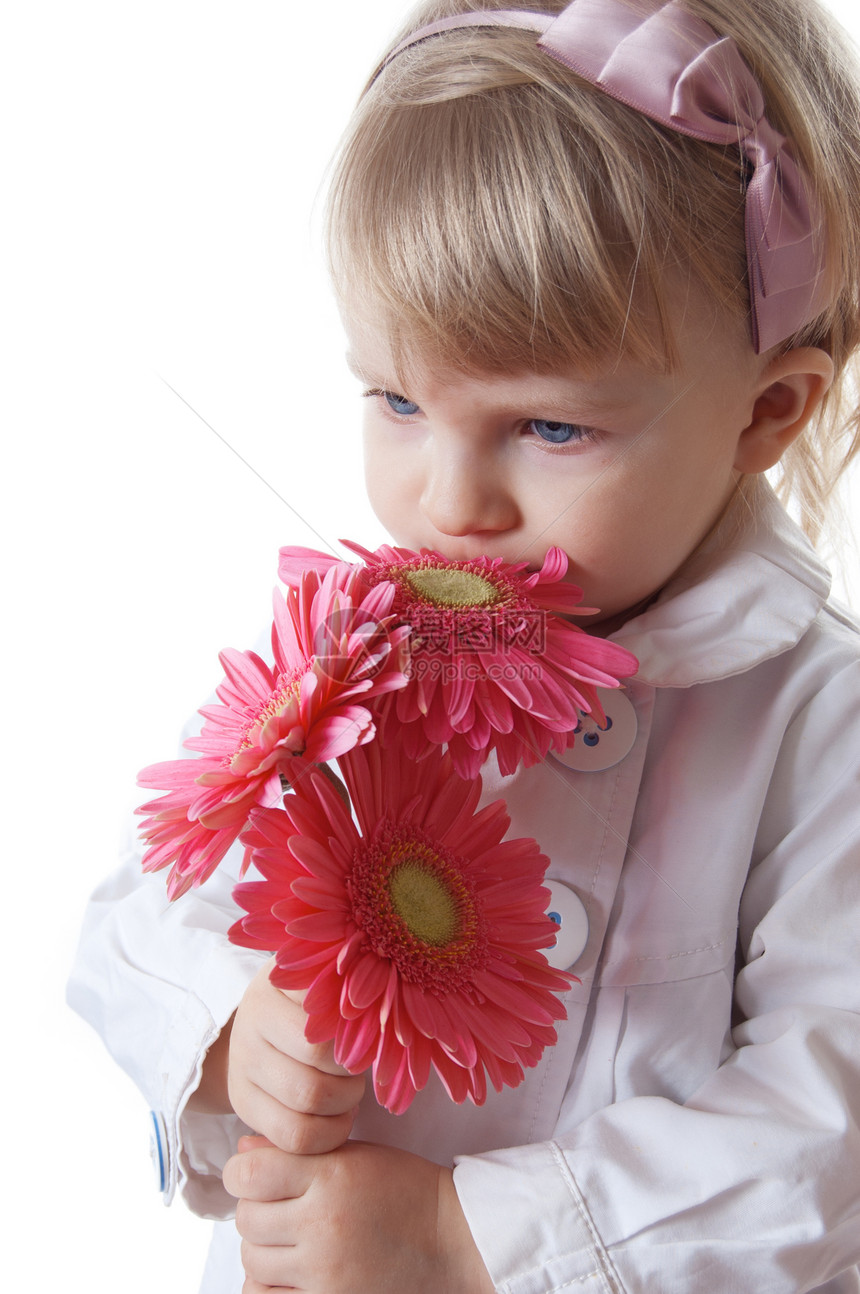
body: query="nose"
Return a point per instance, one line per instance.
(467, 493)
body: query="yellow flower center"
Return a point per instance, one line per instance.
(416, 906)
(277, 705)
(447, 586)
(424, 903)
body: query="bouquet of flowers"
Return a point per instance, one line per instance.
(414, 926)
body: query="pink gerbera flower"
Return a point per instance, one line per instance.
(494, 664)
(415, 928)
(334, 644)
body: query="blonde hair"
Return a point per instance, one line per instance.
(493, 212)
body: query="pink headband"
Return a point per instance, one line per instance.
(674, 68)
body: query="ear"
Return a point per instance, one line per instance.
(789, 391)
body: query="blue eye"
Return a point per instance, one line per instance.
(556, 433)
(400, 405)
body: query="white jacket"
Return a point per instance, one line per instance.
(694, 1131)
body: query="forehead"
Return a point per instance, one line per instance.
(405, 340)
(387, 358)
(705, 340)
(553, 394)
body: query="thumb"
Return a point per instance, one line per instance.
(253, 1142)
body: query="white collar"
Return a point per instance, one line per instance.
(733, 604)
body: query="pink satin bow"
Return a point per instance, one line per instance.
(674, 68)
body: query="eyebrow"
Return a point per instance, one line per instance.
(352, 365)
(556, 406)
(549, 402)
(362, 374)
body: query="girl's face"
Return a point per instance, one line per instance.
(626, 470)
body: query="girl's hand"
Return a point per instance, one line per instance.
(280, 1084)
(361, 1218)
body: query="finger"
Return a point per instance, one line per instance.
(285, 1022)
(272, 1268)
(298, 1082)
(268, 1174)
(270, 1075)
(252, 1143)
(294, 1131)
(268, 1222)
(254, 1287)
(268, 1042)
(280, 1013)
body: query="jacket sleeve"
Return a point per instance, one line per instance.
(158, 981)
(752, 1182)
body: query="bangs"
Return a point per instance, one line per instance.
(503, 218)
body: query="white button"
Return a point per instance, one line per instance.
(567, 911)
(598, 746)
(159, 1151)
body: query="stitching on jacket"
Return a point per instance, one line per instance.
(508, 1287)
(607, 1270)
(539, 1098)
(687, 952)
(577, 1280)
(668, 957)
(606, 829)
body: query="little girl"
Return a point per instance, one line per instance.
(600, 271)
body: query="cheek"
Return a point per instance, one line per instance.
(387, 490)
(374, 466)
(631, 528)
(668, 490)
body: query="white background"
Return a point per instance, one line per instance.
(160, 169)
